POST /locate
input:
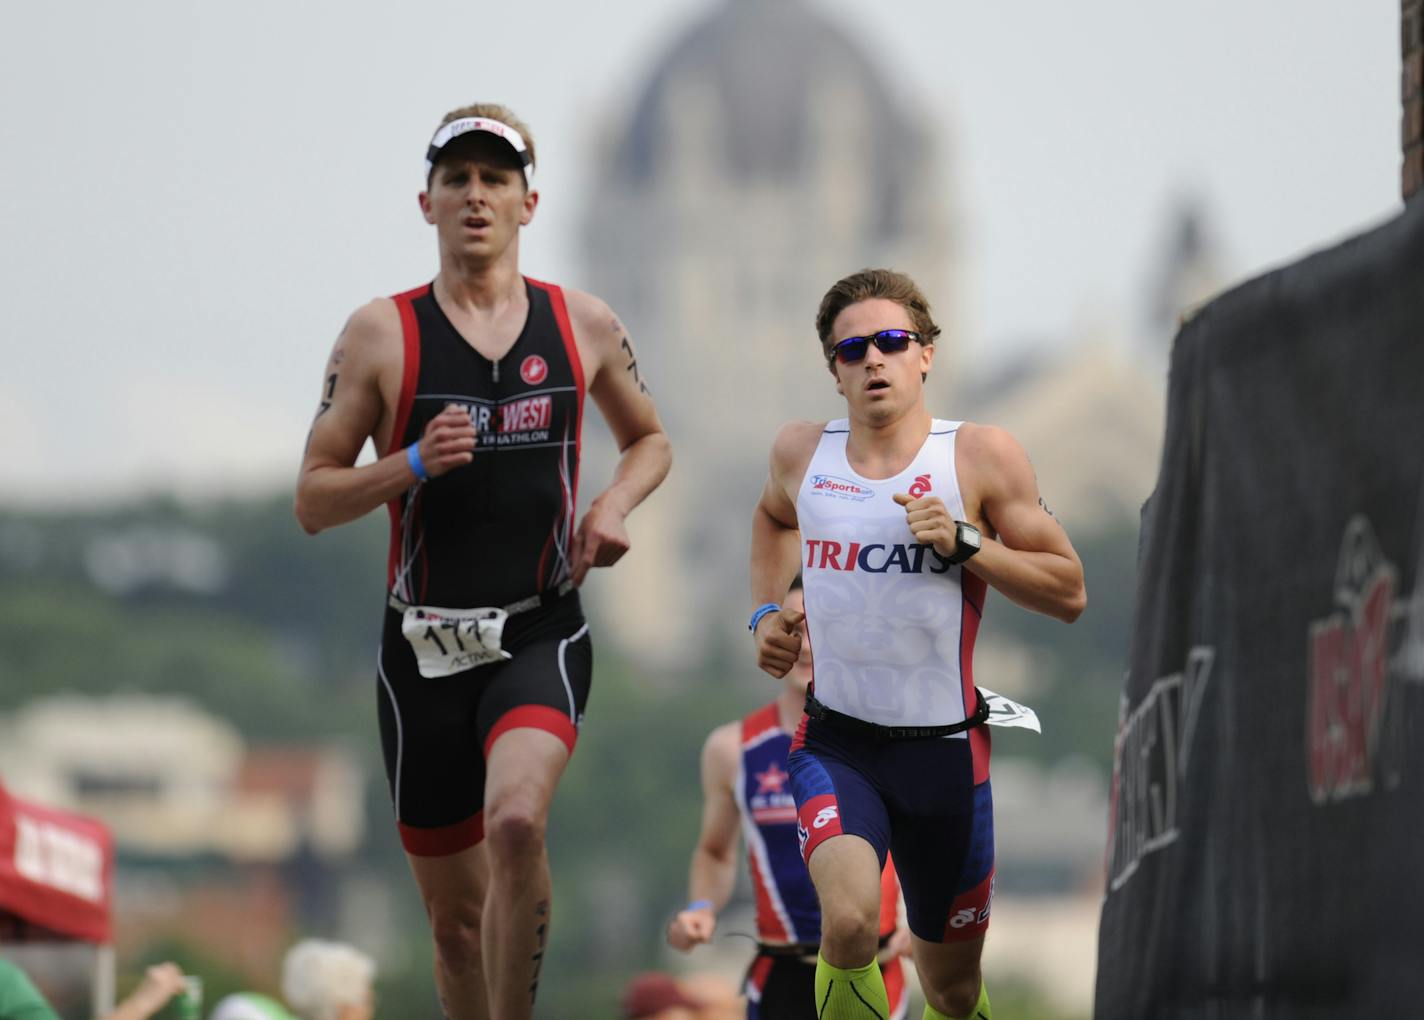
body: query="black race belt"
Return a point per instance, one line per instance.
(803, 951)
(547, 597)
(849, 723)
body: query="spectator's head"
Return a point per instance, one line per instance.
(658, 996)
(328, 981)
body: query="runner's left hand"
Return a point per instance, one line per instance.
(899, 945)
(691, 928)
(601, 540)
(929, 522)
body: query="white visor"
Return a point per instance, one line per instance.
(449, 132)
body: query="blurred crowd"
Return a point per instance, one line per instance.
(321, 980)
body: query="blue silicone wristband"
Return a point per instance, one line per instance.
(699, 905)
(761, 611)
(412, 457)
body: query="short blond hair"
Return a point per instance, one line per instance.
(494, 111)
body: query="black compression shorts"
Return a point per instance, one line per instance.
(437, 732)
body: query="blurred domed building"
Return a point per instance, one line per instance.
(765, 157)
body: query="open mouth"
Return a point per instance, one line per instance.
(877, 384)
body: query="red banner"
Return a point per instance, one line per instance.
(56, 869)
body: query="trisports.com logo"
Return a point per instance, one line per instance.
(841, 488)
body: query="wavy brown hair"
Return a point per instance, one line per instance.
(875, 283)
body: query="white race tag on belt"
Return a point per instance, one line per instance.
(1006, 712)
(449, 641)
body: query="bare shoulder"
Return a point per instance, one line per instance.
(372, 334)
(585, 307)
(795, 442)
(992, 453)
(994, 468)
(593, 321)
(377, 317)
(990, 442)
(720, 751)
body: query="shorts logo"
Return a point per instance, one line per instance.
(921, 487)
(534, 370)
(969, 913)
(818, 819)
(840, 488)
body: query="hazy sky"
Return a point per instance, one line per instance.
(196, 194)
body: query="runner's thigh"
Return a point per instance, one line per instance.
(942, 836)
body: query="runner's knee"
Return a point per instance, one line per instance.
(514, 831)
(953, 991)
(849, 931)
(457, 935)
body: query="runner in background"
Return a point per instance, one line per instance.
(745, 786)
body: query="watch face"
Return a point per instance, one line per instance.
(969, 535)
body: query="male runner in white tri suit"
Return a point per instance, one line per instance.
(899, 522)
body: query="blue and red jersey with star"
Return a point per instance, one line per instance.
(786, 904)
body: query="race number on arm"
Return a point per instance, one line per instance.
(359, 395)
(615, 381)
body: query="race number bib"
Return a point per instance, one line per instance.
(1006, 712)
(449, 641)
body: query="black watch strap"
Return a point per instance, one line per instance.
(967, 541)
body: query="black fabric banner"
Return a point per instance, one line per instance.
(1266, 843)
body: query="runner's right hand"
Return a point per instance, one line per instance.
(691, 928)
(778, 641)
(448, 442)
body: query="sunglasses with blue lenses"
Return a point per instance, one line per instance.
(888, 341)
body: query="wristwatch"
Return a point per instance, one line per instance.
(967, 541)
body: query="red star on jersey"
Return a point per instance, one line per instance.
(772, 780)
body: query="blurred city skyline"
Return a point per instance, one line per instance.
(197, 197)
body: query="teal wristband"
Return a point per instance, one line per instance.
(761, 611)
(699, 905)
(412, 457)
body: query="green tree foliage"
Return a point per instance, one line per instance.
(231, 605)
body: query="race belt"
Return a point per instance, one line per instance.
(989, 708)
(449, 641)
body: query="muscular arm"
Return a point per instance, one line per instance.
(776, 545)
(1026, 554)
(331, 490)
(618, 388)
(713, 870)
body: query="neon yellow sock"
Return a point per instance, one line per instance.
(857, 994)
(981, 1008)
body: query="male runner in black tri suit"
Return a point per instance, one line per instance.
(472, 388)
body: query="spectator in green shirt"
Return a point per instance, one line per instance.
(21, 1000)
